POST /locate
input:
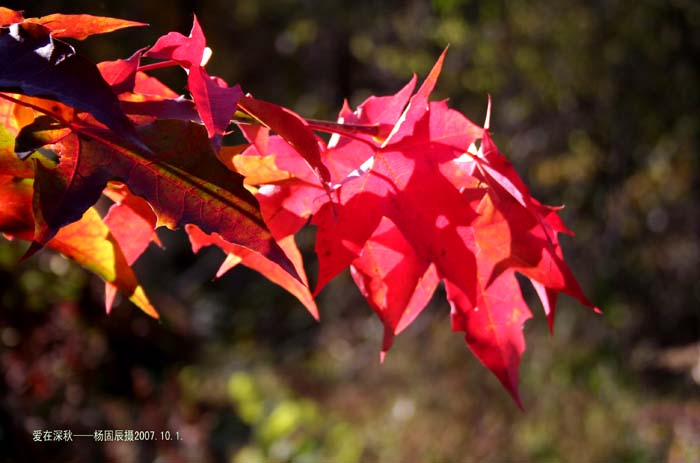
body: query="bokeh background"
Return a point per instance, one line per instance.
(597, 105)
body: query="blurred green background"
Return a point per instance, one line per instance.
(597, 105)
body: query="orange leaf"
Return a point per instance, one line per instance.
(16, 217)
(81, 26)
(10, 164)
(8, 16)
(90, 243)
(259, 170)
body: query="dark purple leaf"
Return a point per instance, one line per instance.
(35, 64)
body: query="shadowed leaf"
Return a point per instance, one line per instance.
(43, 131)
(183, 181)
(35, 64)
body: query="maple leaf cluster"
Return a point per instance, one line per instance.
(407, 192)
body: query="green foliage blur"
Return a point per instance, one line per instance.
(597, 105)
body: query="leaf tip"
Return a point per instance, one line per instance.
(110, 295)
(149, 310)
(387, 341)
(313, 310)
(33, 249)
(487, 121)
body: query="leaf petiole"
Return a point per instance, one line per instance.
(374, 130)
(158, 65)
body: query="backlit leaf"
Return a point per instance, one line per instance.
(396, 283)
(292, 128)
(272, 271)
(215, 102)
(188, 51)
(90, 243)
(8, 16)
(81, 26)
(132, 223)
(16, 217)
(421, 205)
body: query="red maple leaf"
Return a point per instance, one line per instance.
(187, 51)
(215, 101)
(418, 205)
(236, 254)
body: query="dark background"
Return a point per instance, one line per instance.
(596, 104)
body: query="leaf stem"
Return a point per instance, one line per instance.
(320, 125)
(341, 127)
(159, 65)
